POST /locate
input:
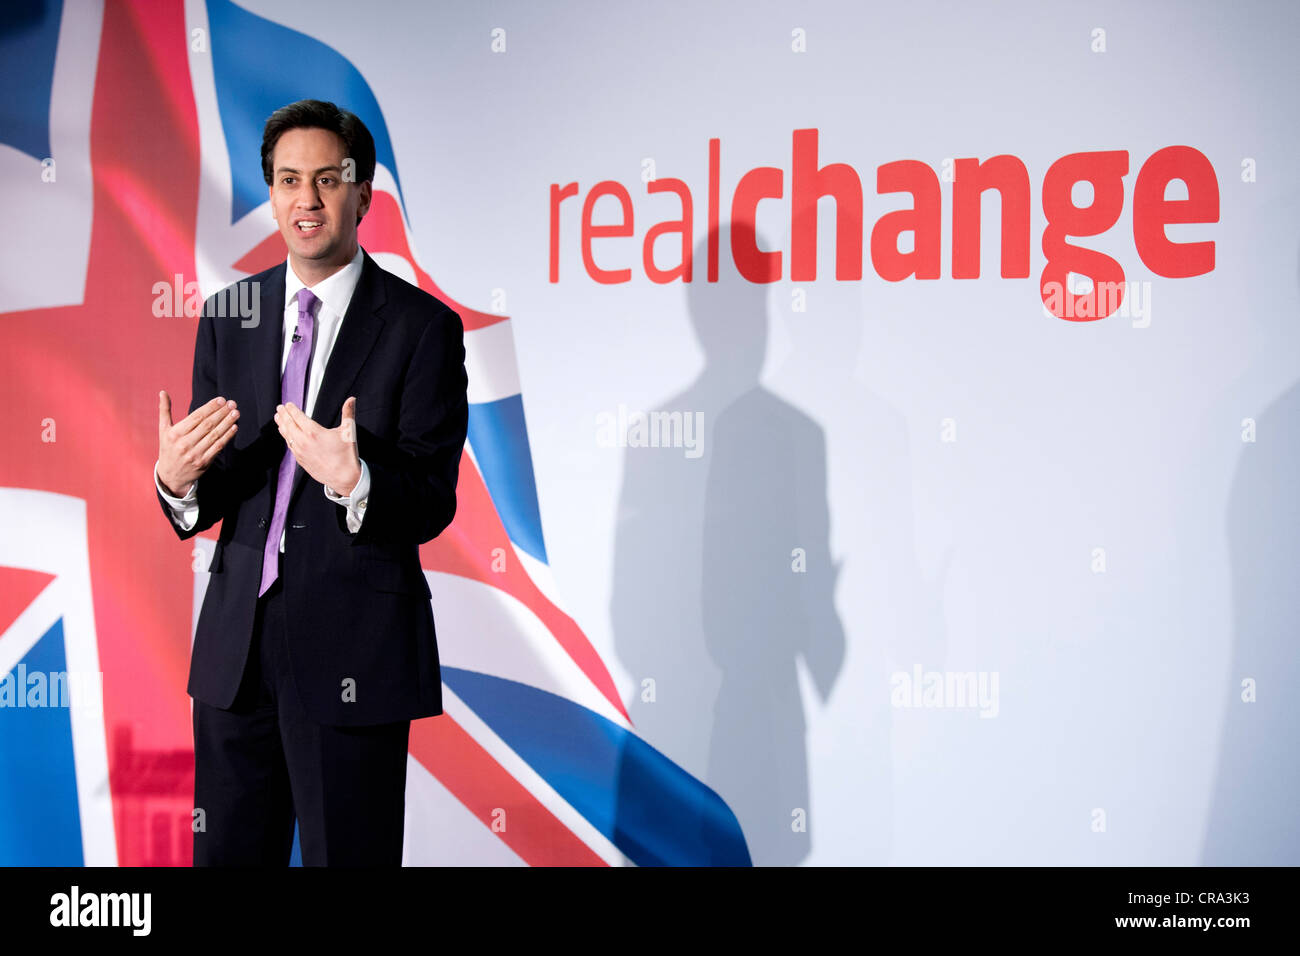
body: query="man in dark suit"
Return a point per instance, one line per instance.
(315, 645)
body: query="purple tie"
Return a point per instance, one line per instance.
(292, 389)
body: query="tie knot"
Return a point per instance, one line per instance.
(306, 300)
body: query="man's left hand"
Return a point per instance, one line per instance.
(327, 454)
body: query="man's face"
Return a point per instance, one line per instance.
(314, 208)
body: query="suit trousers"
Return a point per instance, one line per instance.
(262, 763)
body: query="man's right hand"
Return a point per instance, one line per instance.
(186, 449)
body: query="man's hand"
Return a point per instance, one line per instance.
(327, 454)
(186, 449)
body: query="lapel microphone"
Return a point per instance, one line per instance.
(296, 334)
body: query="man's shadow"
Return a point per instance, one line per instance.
(1254, 817)
(723, 577)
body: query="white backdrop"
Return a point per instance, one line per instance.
(1119, 734)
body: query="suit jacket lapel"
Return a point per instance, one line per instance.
(265, 345)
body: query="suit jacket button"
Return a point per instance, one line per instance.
(261, 522)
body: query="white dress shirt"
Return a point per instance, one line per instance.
(335, 294)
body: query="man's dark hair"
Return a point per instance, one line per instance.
(358, 144)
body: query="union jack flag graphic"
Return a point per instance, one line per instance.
(129, 140)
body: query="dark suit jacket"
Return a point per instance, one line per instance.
(357, 605)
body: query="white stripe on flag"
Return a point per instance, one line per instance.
(441, 831)
(484, 629)
(490, 363)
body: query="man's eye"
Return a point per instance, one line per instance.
(326, 180)
(287, 181)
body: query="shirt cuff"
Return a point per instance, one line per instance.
(356, 501)
(185, 510)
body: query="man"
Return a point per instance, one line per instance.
(315, 645)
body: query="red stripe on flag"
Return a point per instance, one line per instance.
(474, 777)
(117, 354)
(19, 588)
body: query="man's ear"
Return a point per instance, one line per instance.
(270, 194)
(363, 203)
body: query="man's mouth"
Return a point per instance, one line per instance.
(307, 227)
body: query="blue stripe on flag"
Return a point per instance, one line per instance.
(652, 810)
(29, 43)
(40, 819)
(259, 66)
(499, 438)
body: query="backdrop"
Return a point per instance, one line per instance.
(884, 418)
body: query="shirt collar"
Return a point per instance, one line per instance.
(334, 291)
